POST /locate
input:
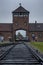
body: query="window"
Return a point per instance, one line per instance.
(40, 34)
(38, 26)
(21, 14)
(16, 23)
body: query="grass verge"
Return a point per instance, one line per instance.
(38, 45)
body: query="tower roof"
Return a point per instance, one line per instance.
(20, 9)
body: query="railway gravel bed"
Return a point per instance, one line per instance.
(21, 54)
(3, 49)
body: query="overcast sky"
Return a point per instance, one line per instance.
(34, 6)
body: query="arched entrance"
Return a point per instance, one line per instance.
(21, 35)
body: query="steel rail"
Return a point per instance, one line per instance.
(5, 53)
(37, 57)
(35, 54)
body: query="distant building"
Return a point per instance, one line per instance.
(21, 22)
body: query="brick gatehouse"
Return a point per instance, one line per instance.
(34, 31)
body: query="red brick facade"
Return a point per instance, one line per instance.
(21, 22)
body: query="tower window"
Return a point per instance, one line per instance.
(20, 13)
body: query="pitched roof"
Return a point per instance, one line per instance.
(5, 27)
(36, 27)
(20, 9)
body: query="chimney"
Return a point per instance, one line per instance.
(35, 22)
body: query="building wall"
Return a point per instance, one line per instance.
(20, 23)
(39, 36)
(6, 35)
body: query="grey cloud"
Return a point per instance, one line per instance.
(34, 6)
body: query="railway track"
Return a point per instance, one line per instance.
(21, 54)
(3, 49)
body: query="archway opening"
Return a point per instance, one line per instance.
(21, 35)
